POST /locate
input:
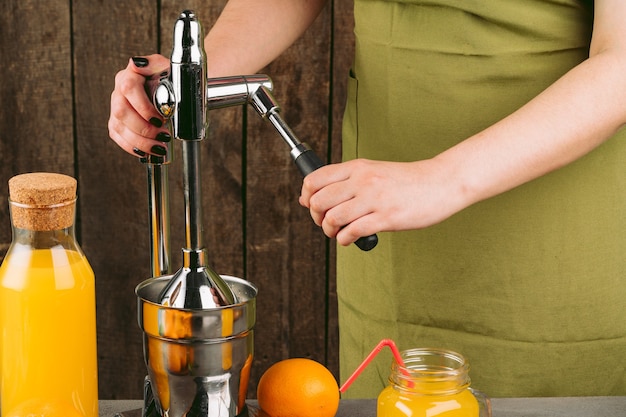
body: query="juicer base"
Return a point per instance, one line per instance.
(150, 409)
(250, 411)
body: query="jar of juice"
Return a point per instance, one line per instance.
(432, 383)
(47, 305)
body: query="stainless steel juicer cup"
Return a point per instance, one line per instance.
(198, 361)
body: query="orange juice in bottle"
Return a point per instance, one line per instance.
(47, 306)
(432, 383)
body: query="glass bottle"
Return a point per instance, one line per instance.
(47, 305)
(432, 383)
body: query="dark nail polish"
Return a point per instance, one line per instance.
(163, 137)
(158, 150)
(155, 121)
(140, 61)
(139, 152)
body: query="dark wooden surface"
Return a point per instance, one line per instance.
(59, 59)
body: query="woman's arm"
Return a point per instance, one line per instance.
(568, 120)
(250, 34)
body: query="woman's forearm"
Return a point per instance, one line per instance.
(250, 34)
(568, 120)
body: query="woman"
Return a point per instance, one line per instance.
(478, 133)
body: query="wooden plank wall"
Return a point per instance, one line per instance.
(59, 59)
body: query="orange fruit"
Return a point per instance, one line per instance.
(44, 408)
(298, 387)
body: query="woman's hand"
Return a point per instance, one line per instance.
(134, 123)
(362, 197)
(236, 44)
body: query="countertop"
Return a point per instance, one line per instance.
(502, 407)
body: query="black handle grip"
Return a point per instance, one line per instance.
(307, 161)
(367, 243)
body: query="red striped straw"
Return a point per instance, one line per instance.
(385, 342)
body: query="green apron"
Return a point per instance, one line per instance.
(530, 286)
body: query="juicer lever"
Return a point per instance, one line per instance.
(303, 156)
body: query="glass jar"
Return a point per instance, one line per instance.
(47, 305)
(432, 383)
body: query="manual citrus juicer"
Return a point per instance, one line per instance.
(198, 325)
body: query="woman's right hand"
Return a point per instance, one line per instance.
(134, 123)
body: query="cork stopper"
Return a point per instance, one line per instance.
(42, 201)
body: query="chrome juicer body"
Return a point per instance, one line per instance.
(197, 325)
